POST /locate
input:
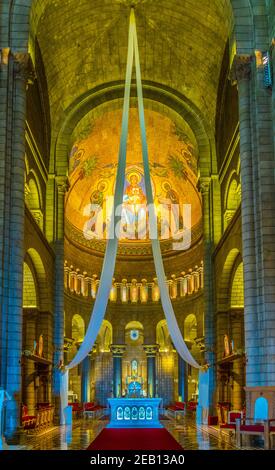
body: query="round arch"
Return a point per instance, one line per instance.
(134, 325)
(25, 17)
(225, 282)
(78, 328)
(34, 198)
(30, 294)
(163, 336)
(190, 328)
(237, 286)
(153, 91)
(41, 277)
(232, 197)
(105, 336)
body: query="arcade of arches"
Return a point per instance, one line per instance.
(210, 129)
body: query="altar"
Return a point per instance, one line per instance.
(134, 413)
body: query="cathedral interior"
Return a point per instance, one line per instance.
(207, 80)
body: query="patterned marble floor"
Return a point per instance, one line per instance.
(190, 436)
(194, 437)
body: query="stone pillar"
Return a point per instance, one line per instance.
(242, 73)
(209, 322)
(182, 379)
(118, 351)
(5, 123)
(58, 334)
(19, 66)
(151, 352)
(85, 379)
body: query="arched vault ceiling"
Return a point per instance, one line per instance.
(84, 44)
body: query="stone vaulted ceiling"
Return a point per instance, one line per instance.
(84, 44)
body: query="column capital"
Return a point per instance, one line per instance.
(241, 68)
(68, 344)
(23, 67)
(62, 184)
(151, 349)
(204, 185)
(118, 349)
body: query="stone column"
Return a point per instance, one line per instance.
(85, 379)
(13, 257)
(58, 334)
(5, 123)
(151, 352)
(182, 379)
(242, 73)
(118, 351)
(209, 321)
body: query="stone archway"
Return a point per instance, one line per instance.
(230, 323)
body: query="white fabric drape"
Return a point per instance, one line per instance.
(172, 323)
(112, 244)
(64, 385)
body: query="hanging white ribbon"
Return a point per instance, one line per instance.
(172, 323)
(108, 268)
(105, 285)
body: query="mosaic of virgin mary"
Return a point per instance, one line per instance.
(133, 220)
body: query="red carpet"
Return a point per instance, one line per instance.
(134, 439)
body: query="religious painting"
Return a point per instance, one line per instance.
(93, 168)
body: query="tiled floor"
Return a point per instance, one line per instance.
(190, 436)
(193, 437)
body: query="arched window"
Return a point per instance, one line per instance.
(134, 333)
(78, 328)
(232, 199)
(163, 337)
(29, 288)
(105, 336)
(237, 289)
(34, 198)
(134, 368)
(190, 328)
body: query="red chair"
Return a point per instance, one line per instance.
(89, 410)
(250, 427)
(192, 406)
(178, 408)
(231, 424)
(28, 421)
(77, 409)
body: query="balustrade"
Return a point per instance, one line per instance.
(133, 291)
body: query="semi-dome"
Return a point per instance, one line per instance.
(92, 173)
